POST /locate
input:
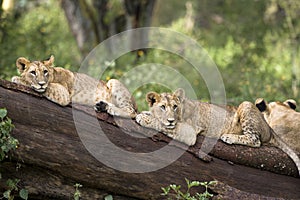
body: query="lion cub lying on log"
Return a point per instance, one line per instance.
(63, 86)
(182, 119)
(283, 119)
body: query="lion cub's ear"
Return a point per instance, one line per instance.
(291, 103)
(261, 104)
(50, 61)
(180, 94)
(152, 97)
(22, 64)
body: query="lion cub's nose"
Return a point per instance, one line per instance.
(42, 83)
(171, 120)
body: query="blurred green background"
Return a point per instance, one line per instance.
(254, 43)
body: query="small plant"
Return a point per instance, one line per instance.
(12, 185)
(77, 193)
(175, 192)
(108, 197)
(7, 144)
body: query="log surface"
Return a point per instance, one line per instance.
(61, 146)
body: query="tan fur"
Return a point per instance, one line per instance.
(245, 125)
(168, 110)
(63, 86)
(284, 120)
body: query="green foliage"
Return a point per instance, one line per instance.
(23, 194)
(36, 34)
(7, 142)
(175, 191)
(12, 185)
(108, 197)
(253, 46)
(77, 193)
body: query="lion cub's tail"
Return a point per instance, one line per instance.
(277, 141)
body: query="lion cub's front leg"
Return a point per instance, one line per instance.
(57, 93)
(183, 132)
(16, 79)
(145, 119)
(120, 102)
(127, 112)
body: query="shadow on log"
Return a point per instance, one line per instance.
(61, 146)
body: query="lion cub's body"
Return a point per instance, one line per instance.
(63, 86)
(182, 119)
(240, 125)
(283, 119)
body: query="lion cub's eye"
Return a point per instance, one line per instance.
(45, 72)
(175, 107)
(33, 73)
(163, 107)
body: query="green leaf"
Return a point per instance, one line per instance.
(12, 183)
(187, 181)
(203, 183)
(2, 155)
(212, 182)
(6, 194)
(175, 188)
(23, 194)
(108, 197)
(3, 113)
(194, 183)
(165, 190)
(77, 185)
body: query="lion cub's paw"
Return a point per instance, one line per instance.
(15, 79)
(101, 106)
(143, 118)
(138, 118)
(186, 134)
(190, 141)
(227, 138)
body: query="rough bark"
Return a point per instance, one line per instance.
(52, 157)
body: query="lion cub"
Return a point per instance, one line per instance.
(63, 86)
(283, 119)
(182, 119)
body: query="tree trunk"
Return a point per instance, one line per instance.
(80, 25)
(139, 14)
(53, 156)
(93, 22)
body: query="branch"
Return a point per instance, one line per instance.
(52, 157)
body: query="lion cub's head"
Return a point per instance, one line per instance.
(166, 107)
(36, 74)
(274, 110)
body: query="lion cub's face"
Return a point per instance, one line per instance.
(35, 74)
(166, 107)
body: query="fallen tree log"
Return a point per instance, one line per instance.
(61, 146)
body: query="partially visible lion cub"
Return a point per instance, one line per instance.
(283, 119)
(182, 119)
(63, 86)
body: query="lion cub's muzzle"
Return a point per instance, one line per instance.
(171, 123)
(40, 87)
